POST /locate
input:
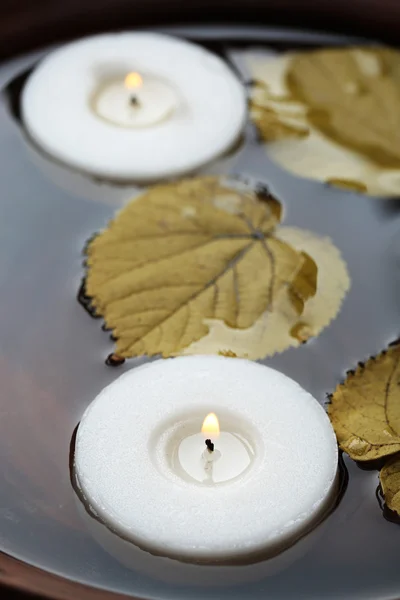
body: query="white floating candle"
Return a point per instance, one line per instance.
(139, 459)
(134, 106)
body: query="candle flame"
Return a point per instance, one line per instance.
(210, 426)
(133, 80)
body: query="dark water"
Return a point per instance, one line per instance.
(52, 365)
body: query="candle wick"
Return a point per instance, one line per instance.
(210, 446)
(134, 101)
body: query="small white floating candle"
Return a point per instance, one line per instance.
(134, 106)
(142, 463)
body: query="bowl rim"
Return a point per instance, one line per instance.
(17, 575)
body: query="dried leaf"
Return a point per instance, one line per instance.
(184, 252)
(348, 184)
(283, 327)
(365, 409)
(390, 483)
(274, 121)
(352, 96)
(347, 99)
(272, 126)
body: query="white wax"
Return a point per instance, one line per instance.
(232, 455)
(200, 114)
(147, 105)
(125, 459)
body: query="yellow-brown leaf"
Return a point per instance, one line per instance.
(345, 101)
(352, 96)
(348, 184)
(290, 321)
(272, 126)
(273, 121)
(365, 409)
(187, 251)
(390, 483)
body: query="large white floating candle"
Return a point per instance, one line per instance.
(134, 106)
(147, 471)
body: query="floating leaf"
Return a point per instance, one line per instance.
(365, 409)
(283, 327)
(189, 251)
(352, 96)
(348, 184)
(390, 483)
(272, 126)
(274, 121)
(347, 100)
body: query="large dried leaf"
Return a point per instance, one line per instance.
(283, 327)
(390, 483)
(353, 97)
(348, 100)
(187, 251)
(365, 409)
